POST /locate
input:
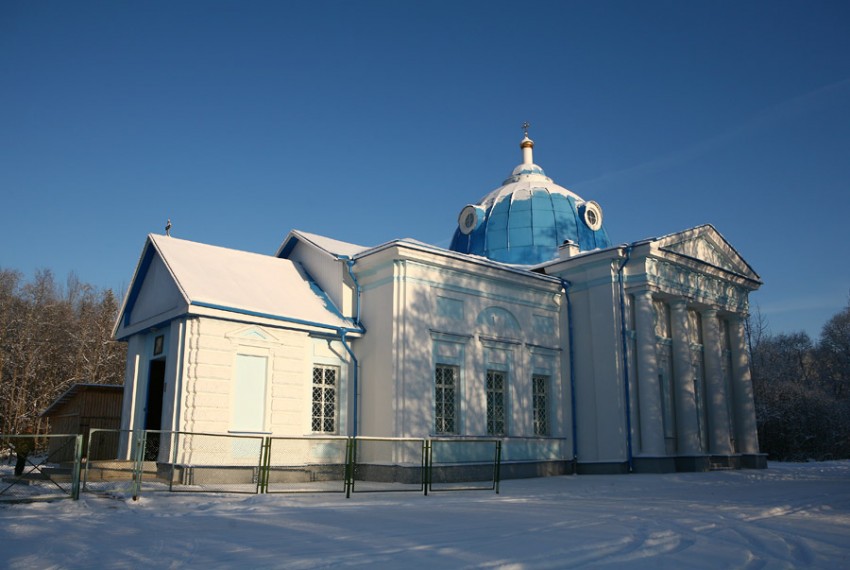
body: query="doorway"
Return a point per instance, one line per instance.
(153, 408)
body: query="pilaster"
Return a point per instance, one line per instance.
(649, 390)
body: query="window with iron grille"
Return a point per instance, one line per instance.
(540, 403)
(324, 398)
(445, 402)
(495, 402)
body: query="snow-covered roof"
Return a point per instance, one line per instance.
(332, 246)
(243, 282)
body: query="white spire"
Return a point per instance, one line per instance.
(527, 146)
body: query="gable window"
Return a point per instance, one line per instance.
(495, 402)
(324, 399)
(445, 398)
(540, 403)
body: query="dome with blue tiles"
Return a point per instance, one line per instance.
(528, 217)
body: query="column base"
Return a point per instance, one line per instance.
(644, 464)
(693, 463)
(754, 460)
(724, 462)
(603, 468)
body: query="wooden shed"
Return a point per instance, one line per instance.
(80, 408)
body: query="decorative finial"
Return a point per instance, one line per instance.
(526, 144)
(168, 227)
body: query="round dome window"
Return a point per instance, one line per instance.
(468, 219)
(592, 215)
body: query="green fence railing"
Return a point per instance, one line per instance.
(46, 467)
(157, 461)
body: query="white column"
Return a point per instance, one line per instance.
(718, 415)
(746, 433)
(649, 389)
(687, 420)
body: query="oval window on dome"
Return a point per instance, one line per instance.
(592, 215)
(468, 219)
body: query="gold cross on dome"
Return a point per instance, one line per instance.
(525, 126)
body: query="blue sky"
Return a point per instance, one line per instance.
(370, 121)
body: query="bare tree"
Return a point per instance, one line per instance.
(802, 391)
(50, 339)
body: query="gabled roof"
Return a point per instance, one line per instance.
(330, 246)
(704, 244)
(219, 278)
(702, 248)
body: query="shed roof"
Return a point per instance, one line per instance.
(76, 389)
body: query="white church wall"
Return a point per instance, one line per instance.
(459, 315)
(211, 362)
(376, 379)
(210, 367)
(597, 349)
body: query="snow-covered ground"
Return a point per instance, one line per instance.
(788, 516)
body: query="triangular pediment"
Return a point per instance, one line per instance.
(154, 294)
(705, 245)
(252, 334)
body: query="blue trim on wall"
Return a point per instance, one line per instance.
(133, 294)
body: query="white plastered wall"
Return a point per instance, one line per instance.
(597, 352)
(398, 376)
(212, 347)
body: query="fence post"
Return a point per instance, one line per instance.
(265, 465)
(138, 462)
(88, 455)
(350, 446)
(426, 459)
(75, 474)
(175, 443)
(498, 473)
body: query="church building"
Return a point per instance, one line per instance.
(579, 354)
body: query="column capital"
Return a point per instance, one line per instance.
(643, 295)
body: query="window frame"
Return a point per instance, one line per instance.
(322, 403)
(496, 415)
(440, 403)
(536, 398)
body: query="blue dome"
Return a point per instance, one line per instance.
(525, 220)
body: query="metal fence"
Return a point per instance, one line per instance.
(137, 469)
(162, 461)
(307, 465)
(388, 464)
(31, 470)
(464, 464)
